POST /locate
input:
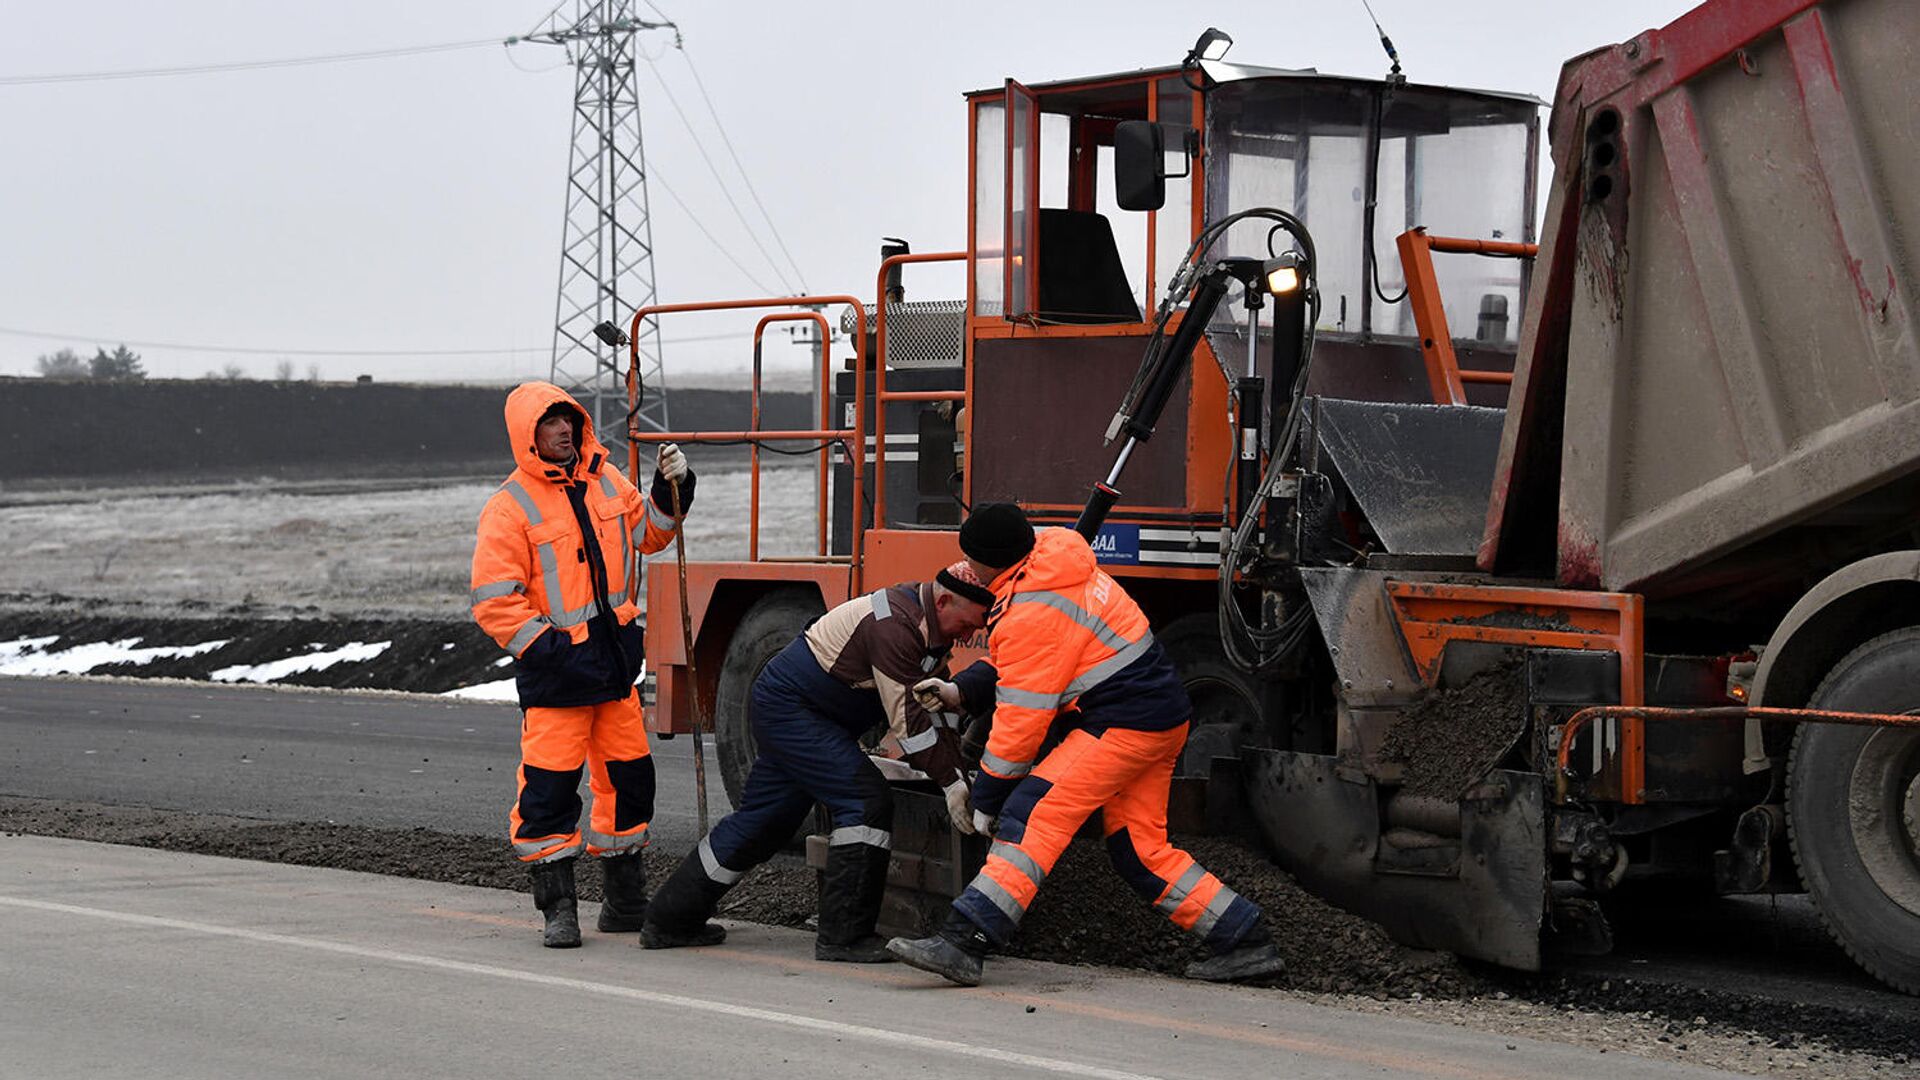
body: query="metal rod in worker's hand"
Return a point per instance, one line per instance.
(686, 642)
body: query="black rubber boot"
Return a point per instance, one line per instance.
(677, 915)
(623, 906)
(850, 891)
(955, 953)
(1251, 957)
(554, 894)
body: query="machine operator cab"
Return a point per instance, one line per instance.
(1063, 282)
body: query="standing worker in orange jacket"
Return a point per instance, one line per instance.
(1063, 631)
(555, 576)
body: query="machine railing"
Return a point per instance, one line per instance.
(851, 437)
(882, 396)
(1444, 373)
(1563, 757)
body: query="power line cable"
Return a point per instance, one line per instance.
(654, 174)
(242, 349)
(240, 65)
(752, 232)
(748, 180)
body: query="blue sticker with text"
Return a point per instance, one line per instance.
(1118, 545)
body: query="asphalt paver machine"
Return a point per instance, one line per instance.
(1502, 569)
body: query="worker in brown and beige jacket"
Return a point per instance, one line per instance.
(852, 669)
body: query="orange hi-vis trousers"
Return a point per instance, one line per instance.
(1124, 774)
(611, 740)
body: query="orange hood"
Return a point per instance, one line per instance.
(1060, 560)
(525, 405)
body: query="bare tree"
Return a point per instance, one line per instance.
(313, 371)
(283, 372)
(65, 364)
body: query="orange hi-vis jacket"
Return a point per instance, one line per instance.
(1064, 632)
(557, 558)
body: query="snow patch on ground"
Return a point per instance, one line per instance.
(28, 656)
(273, 671)
(502, 690)
(12, 649)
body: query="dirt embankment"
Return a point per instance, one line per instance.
(422, 655)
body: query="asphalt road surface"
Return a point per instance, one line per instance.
(118, 961)
(388, 761)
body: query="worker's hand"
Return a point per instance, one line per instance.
(958, 808)
(937, 695)
(673, 463)
(983, 824)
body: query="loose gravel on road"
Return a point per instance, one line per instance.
(1086, 915)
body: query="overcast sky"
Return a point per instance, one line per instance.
(414, 203)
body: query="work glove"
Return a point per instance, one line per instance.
(937, 695)
(983, 824)
(673, 463)
(958, 808)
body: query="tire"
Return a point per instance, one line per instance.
(1227, 713)
(1853, 810)
(769, 626)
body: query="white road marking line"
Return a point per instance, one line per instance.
(882, 1036)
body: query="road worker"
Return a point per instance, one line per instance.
(555, 576)
(1063, 631)
(850, 671)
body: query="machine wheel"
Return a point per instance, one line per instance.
(1853, 810)
(769, 626)
(1226, 700)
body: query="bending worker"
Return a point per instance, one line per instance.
(849, 671)
(555, 578)
(1064, 631)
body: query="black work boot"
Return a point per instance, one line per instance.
(677, 915)
(955, 953)
(850, 891)
(554, 894)
(1253, 956)
(623, 904)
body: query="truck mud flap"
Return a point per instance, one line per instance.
(1481, 894)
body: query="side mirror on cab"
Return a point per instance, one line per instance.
(1140, 162)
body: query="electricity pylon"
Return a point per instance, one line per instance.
(606, 243)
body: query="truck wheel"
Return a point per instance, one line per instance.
(1853, 810)
(1226, 700)
(769, 625)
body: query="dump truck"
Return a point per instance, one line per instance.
(1502, 569)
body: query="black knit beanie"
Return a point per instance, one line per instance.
(996, 535)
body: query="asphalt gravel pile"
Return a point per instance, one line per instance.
(1085, 914)
(1451, 737)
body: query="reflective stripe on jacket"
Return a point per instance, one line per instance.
(1063, 631)
(537, 573)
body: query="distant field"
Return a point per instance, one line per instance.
(382, 552)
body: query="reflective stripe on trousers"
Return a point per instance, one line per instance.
(537, 850)
(860, 834)
(602, 844)
(716, 873)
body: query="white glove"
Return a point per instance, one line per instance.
(936, 695)
(673, 463)
(983, 824)
(957, 807)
